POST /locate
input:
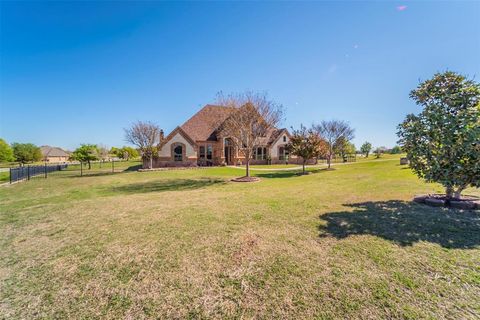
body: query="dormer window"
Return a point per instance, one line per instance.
(284, 138)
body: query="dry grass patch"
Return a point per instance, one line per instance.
(190, 244)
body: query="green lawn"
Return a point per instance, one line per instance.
(4, 176)
(273, 166)
(385, 156)
(345, 243)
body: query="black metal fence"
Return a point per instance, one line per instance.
(28, 172)
(71, 169)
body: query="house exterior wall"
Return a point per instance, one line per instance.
(165, 151)
(191, 153)
(277, 144)
(56, 159)
(218, 154)
(274, 154)
(165, 155)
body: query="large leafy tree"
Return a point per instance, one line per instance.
(334, 132)
(344, 147)
(26, 152)
(443, 141)
(6, 152)
(124, 152)
(86, 153)
(306, 143)
(128, 153)
(366, 148)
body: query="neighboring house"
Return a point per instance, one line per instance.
(54, 154)
(198, 142)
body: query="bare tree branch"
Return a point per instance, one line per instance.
(253, 117)
(146, 136)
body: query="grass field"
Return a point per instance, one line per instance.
(272, 166)
(346, 243)
(4, 176)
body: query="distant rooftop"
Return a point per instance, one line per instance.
(48, 151)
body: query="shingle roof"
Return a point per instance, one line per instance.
(203, 125)
(48, 151)
(271, 136)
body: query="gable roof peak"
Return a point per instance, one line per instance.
(203, 125)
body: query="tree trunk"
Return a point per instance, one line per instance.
(89, 165)
(151, 162)
(458, 192)
(304, 166)
(247, 166)
(449, 192)
(330, 153)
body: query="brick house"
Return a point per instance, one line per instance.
(197, 142)
(54, 154)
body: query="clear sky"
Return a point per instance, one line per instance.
(80, 72)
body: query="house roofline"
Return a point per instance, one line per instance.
(284, 130)
(182, 132)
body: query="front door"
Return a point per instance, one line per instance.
(228, 152)
(229, 155)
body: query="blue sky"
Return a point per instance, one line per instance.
(80, 72)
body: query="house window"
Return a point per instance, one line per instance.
(202, 152)
(282, 153)
(284, 138)
(209, 152)
(178, 153)
(260, 153)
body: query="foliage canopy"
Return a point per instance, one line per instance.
(366, 148)
(86, 153)
(26, 152)
(306, 143)
(443, 141)
(6, 152)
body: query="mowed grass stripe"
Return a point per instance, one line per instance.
(190, 243)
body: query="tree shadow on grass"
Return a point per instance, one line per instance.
(133, 168)
(98, 172)
(164, 185)
(287, 173)
(405, 223)
(76, 174)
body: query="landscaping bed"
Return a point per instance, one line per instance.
(440, 200)
(245, 179)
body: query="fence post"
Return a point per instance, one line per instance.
(10, 175)
(81, 169)
(28, 172)
(45, 171)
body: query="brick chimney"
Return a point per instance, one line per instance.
(161, 135)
